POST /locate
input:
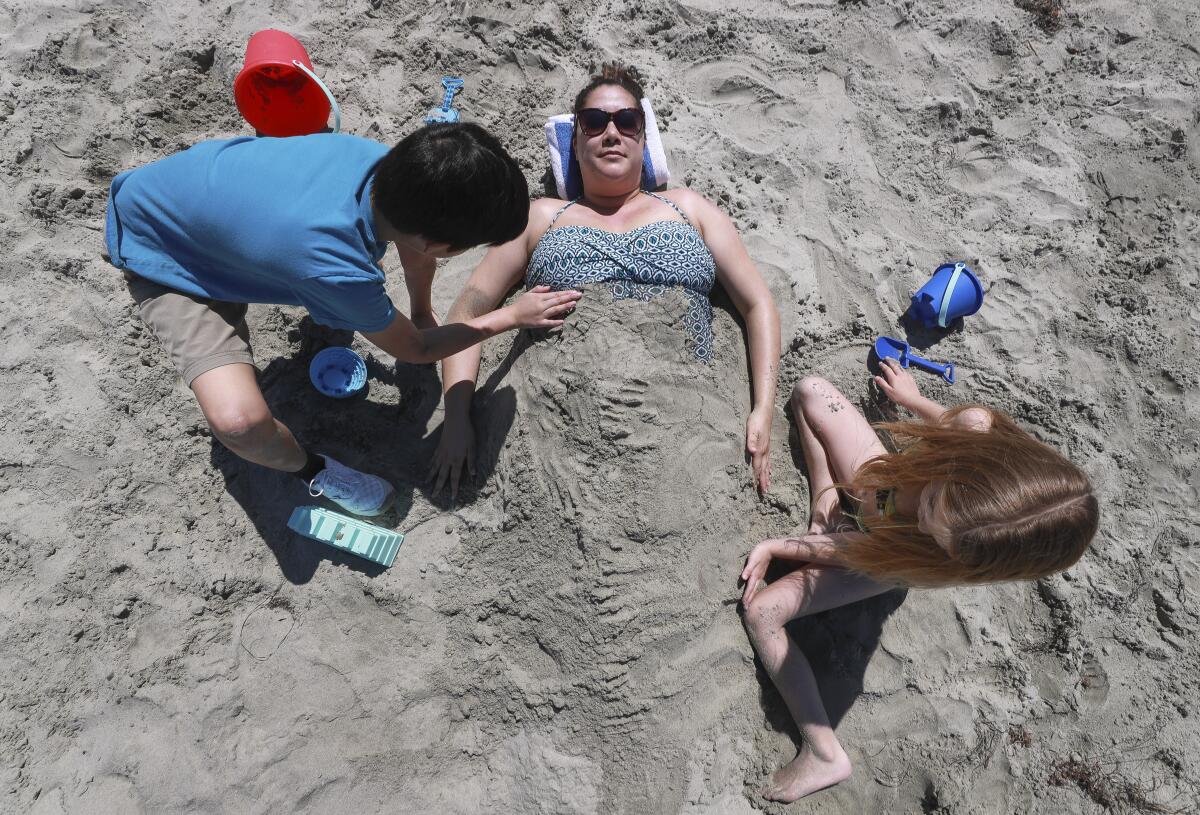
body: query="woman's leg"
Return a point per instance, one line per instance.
(821, 761)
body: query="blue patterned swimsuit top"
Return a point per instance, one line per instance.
(641, 264)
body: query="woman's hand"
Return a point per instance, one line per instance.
(758, 445)
(541, 308)
(755, 570)
(898, 384)
(455, 449)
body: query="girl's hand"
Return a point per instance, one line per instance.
(758, 445)
(898, 383)
(541, 308)
(755, 570)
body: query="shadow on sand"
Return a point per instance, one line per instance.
(838, 643)
(388, 440)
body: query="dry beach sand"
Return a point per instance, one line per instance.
(565, 639)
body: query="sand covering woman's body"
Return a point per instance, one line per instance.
(636, 243)
(974, 499)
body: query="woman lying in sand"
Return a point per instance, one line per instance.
(635, 242)
(970, 498)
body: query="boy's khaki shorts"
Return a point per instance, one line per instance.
(200, 334)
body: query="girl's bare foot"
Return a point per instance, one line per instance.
(806, 774)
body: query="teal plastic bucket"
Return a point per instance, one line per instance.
(953, 292)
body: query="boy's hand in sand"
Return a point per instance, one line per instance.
(755, 571)
(541, 308)
(898, 384)
(758, 446)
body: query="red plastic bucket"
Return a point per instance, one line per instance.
(276, 90)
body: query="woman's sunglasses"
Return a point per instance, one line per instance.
(629, 121)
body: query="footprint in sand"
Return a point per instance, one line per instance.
(265, 629)
(83, 51)
(1094, 681)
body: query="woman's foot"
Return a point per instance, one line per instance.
(806, 774)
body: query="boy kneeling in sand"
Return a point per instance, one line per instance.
(305, 221)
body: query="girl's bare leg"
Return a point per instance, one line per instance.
(845, 437)
(824, 510)
(821, 761)
(837, 439)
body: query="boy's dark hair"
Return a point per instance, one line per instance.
(453, 184)
(612, 73)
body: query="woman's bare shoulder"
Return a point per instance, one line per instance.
(685, 197)
(546, 206)
(541, 212)
(697, 208)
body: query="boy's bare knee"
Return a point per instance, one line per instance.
(237, 427)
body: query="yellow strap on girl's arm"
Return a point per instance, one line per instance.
(889, 504)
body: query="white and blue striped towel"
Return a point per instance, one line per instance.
(566, 170)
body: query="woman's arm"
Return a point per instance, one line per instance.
(753, 300)
(419, 269)
(501, 268)
(499, 271)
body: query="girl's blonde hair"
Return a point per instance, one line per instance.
(1016, 508)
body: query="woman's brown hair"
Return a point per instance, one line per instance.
(611, 73)
(1015, 508)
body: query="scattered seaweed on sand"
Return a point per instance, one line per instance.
(1047, 13)
(1102, 782)
(1020, 735)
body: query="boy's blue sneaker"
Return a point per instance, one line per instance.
(353, 491)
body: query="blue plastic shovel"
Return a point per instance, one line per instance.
(899, 350)
(446, 114)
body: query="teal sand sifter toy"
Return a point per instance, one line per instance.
(374, 543)
(953, 292)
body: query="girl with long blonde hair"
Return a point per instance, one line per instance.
(969, 498)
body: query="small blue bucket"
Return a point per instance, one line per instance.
(338, 372)
(954, 291)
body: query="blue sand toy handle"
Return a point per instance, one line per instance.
(948, 292)
(337, 111)
(446, 114)
(944, 370)
(453, 85)
(899, 350)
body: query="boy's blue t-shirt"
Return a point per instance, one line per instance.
(259, 220)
